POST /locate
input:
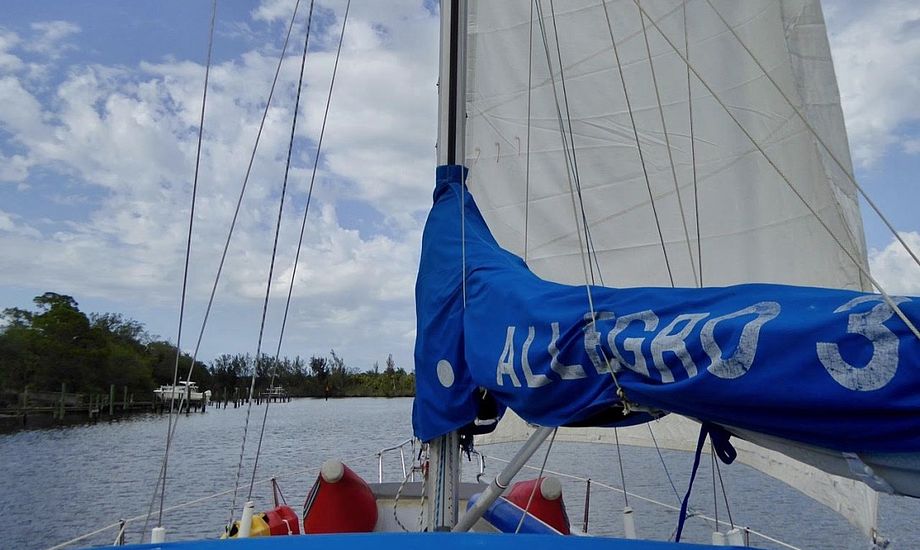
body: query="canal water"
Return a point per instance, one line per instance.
(58, 483)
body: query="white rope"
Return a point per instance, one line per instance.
(885, 296)
(396, 501)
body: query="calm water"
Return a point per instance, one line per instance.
(57, 483)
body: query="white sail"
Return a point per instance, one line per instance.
(553, 105)
(752, 226)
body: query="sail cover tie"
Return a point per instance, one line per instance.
(722, 447)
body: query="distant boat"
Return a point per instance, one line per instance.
(182, 390)
(274, 392)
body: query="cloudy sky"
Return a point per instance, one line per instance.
(99, 106)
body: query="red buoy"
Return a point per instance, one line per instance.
(546, 505)
(340, 502)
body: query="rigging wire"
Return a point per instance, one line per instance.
(565, 148)
(226, 248)
(188, 253)
(667, 142)
(568, 120)
(616, 435)
(584, 247)
(696, 201)
(271, 268)
(725, 495)
(715, 493)
(287, 169)
(533, 490)
(632, 121)
(817, 136)
(885, 296)
(663, 464)
(654, 211)
(527, 153)
(589, 245)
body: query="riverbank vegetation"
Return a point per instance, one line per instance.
(55, 343)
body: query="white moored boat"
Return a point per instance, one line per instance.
(187, 391)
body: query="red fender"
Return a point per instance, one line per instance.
(282, 521)
(547, 504)
(339, 502)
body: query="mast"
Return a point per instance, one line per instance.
(444, 451)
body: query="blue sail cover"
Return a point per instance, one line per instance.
(833, 368)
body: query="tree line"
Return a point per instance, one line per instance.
(56, 343)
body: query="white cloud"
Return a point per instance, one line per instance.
(876, 50)
(273, 10)
(893, 267)
(50, 37)
(14, 168)
(9, 224)
(912, 146)
(8, 61)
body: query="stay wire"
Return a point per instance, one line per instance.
(258, 357)
(663, 464)
(885, 296)
(696, 201)
(728, 508)
(572, 149)
(226, 248)
(584, 248)
(588, 246)
(566, 156)
(616, 435)
(527, 153)
(632, 121)
(287, 169)
(715, 493)
(536, 484)
(185, 271)
(667, 142)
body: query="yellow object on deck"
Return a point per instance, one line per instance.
(259, 528)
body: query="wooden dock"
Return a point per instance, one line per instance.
(36, 409)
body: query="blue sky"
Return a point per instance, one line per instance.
(98, 108)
